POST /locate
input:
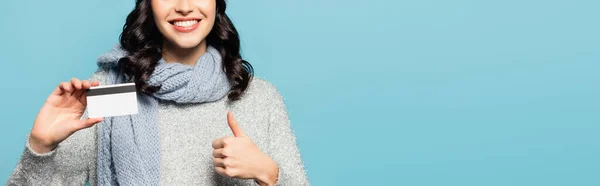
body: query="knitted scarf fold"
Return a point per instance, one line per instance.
(129, 146)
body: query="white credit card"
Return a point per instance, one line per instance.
(112, 100)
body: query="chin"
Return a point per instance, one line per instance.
(187, 44)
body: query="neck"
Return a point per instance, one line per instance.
(187, 56)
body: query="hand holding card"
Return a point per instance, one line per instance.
(60, 116)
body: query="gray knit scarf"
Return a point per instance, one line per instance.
(129, 146)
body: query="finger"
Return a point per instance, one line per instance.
(95, 83)
(218, 153)
(58, 91)
(66, 88)
(86, 84)
(219, 162)
(76, 83)
(235, 128)
(221, 171)
(82, 97)
(218, 143)
(228, 172)
(82, 124)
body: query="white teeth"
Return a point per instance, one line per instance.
(185, 23)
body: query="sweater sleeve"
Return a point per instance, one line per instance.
(283, 147)
(68, 164)
(72, 162)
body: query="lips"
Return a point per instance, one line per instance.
(185, 24)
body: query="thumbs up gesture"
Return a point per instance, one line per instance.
(238, 156)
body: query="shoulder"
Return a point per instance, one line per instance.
(260, 85)
(261, 92)
(262, 88)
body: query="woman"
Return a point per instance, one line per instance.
(184, 58)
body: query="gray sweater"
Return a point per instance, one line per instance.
(186, 134)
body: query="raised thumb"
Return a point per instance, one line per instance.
(235, 128)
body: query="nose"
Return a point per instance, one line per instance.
(183, 7)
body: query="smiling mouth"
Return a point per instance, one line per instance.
(185, 25)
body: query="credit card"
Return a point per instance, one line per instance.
(112, 100)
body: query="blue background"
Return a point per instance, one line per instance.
(380, 92)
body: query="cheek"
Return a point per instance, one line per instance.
(211, 19)
(210, 24)
(159, 9)
(207, 7)
(159, 13)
